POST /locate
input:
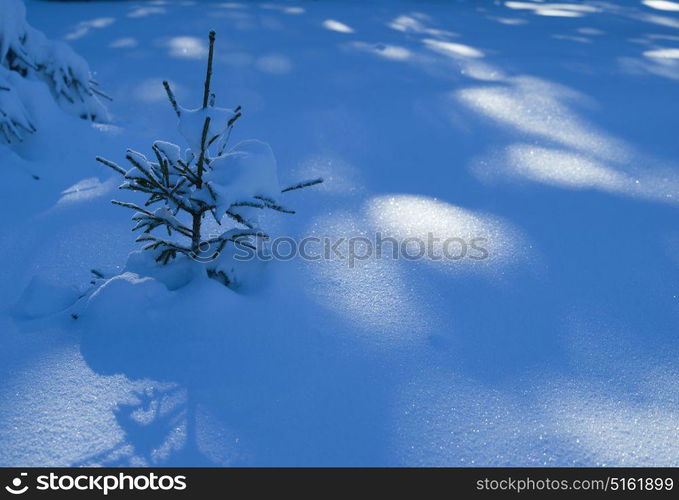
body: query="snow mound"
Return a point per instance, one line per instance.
(43, 298)
(247, 171)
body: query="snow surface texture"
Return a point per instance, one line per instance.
(549, 128)
(26, 54)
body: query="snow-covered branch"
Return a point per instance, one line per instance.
(26, 54)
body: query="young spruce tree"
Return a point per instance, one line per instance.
(208, 180)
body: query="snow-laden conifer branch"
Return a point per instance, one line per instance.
(27, 53)
(171, 97)
(269, 203)
(151, 220)
(162, 216)
(101, 94)
(97, 274)
(301, 185)
(240, 219)
(150, 183)
(112, 165)
(15, 122)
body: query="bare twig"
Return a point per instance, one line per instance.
(208, 76)
(170, 96)
(101, 94)
(112, 165)
(302, 184)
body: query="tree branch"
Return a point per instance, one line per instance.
(170, 96)
(208, 76)
(302, 184)
(112, 165)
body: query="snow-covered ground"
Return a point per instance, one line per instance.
(549, 128)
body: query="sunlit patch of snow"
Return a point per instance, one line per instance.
(562, 168)
(571, 170)
(668, 22)
(274, 64)
(87, 189)
(660, 66)
(591, 31)
(232, 5)
(408, 216)
(413, 24)
(614, 432)
(124, 43)
(294, 10)
(452, 49)
(285, 9)
(187, 47)
(579, 39)
(483, 72)
(554, 9)
(622, 407)
(662, 5)
(657, 36)
(510, 21)
(662, 54)
(332, 25)
(534, 106)
(85, 27)
(145, 12)
(393, 52)
(407, 23)
(558, 13)
(108, 128)
(374, 295)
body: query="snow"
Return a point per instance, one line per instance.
(192, 123)
(15, 123)
(338, 26)
(42, 298)
(662, 5)
(246, 171)
(547, 128)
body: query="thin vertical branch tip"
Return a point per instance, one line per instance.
(170, 96)
(208, 76)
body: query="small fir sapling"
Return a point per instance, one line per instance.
(208, 180)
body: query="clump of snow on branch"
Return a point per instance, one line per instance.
(26, 54)
(210, 179)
